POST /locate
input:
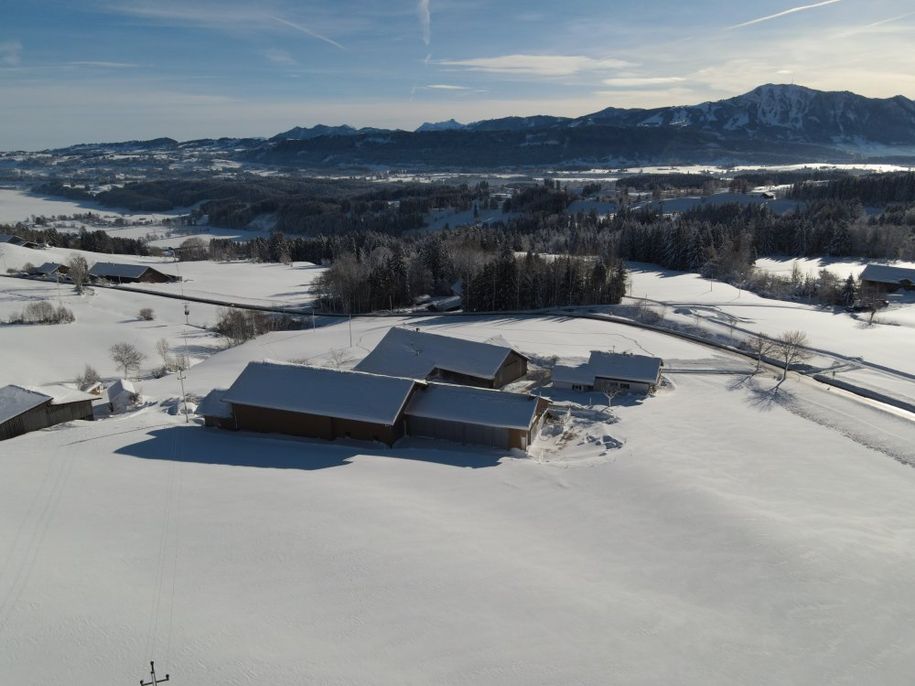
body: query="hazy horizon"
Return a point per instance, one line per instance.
(136, 69)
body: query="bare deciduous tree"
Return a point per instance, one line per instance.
(146, 314)
(791, 348)
(78, 271)
(127, 357)
(761, 346)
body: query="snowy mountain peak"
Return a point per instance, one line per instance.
(449, 125)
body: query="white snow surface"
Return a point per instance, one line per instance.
(719, 532)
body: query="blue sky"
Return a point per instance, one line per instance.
(90, 70)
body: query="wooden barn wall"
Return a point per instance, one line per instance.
(248, 418)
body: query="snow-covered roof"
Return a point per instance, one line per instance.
(884, 273)
(479, 406)
(47, 268)
(121, 271)
(614, 366)
(121, 386)
(15, 400)
(324, 392)
(416, 354)
(212, 405)
(61, 395)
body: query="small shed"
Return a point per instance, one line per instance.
(129, 273)
(476, 416)
(121, 395)
(608, 372)
(883, 278)
(215, 411)
(24, 409)
(421, 355)
(314, 402)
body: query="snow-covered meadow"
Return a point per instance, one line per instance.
(717, 533)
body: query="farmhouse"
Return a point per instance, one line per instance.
(129, 273)
(50, 270)
(475, 415)
(23, 410)
(882, 278)
(17, 240)
(611, 372)
(290, 399)
(419, 355)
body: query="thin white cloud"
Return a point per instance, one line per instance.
(307, 31)
(10, 53)
(636, 81)
(214, 16)
(447, 87)
(425, 20)
(535, 65)
(280, 57)
(101, 64)
(793, 10)
(877, 24)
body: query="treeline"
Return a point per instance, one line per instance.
(871, 189)
(302, 206)
(673, 181)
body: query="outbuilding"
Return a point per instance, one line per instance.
(129, 273)
(883, 278)
(24, 409)
(421, 355)
(611, 372)
(274, 397)
(474, 415)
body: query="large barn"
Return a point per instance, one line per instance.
(474, 415)
(291, 399)
(23, 410)
(272, 397)
(610, 372)
(420, 355)
(129, 273)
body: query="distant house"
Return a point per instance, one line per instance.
(609, 372)
(313, 402)
(23, 410)
(272, 397)
(129, 273)
(449, 304)
(420, 355)
(474, 415)
(121, 395)
(17, 240)
(50, 270)
(882, 278)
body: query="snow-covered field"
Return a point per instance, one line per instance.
(249, 283)
(717, 533)
(841, 267)
(17, 205)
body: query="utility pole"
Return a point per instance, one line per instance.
(152, 677)
(182, 375)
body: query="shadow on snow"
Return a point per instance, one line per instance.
(270, 451)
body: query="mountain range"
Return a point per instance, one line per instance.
(770, 124)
